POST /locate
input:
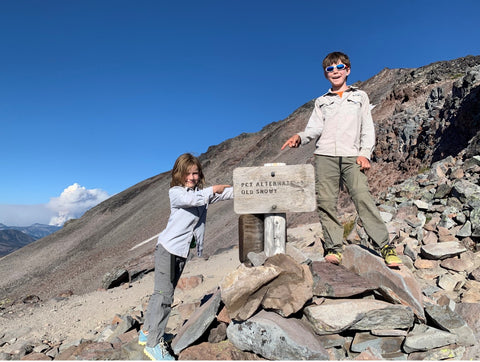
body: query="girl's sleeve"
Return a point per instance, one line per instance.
(227, 194)
(180, 197)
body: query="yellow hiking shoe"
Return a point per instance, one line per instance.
(333, 257)
(390, 255)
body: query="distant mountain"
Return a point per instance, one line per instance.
(15, 237)
(421, 115)
(11, 240)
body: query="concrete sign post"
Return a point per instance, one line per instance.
(273, 190)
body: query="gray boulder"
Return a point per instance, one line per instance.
(276, 338)
(424, 338)
(442, 250)
(197, 324)
(335, 316)
(448, 320)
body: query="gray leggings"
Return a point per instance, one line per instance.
(168, 269)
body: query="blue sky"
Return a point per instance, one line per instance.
(104, 94)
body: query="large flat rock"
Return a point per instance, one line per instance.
(398, 286)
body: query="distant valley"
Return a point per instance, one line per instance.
(16, 237)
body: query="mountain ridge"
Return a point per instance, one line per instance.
(413, 109)
(11, 240)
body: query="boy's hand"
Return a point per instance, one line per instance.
(363, 162)
(218, 189)
(292, 142)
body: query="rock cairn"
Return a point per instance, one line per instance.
(297, 306)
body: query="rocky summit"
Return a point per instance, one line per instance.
(426, 180)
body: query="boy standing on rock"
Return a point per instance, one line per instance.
(342, 125)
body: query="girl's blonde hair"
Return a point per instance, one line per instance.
(181, 168)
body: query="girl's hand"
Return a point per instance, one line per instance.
(218, 189)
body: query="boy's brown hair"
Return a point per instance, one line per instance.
(181, 168)
(336, 57)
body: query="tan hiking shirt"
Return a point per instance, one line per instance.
(341, 126)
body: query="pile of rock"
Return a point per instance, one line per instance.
(283, 309)
(427, 309)
(437, 216)
(296, 306)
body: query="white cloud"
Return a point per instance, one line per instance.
(73, 202)
(25, 215)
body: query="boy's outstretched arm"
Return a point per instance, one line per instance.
(292, 142)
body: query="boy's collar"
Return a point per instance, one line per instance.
(349, 89)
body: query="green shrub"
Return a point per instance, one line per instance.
(347, 228)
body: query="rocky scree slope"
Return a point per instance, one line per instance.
(297, 306)
(416, 111)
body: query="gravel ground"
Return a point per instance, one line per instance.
(84, 316)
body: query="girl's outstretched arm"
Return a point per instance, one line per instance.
(218, 189)
(180, 197)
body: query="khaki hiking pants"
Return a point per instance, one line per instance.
(330, 173)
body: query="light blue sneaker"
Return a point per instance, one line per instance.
(142, 338)
(159, 352)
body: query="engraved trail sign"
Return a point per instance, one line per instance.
(274, 189)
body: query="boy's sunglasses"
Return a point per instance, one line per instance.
(332, 67)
